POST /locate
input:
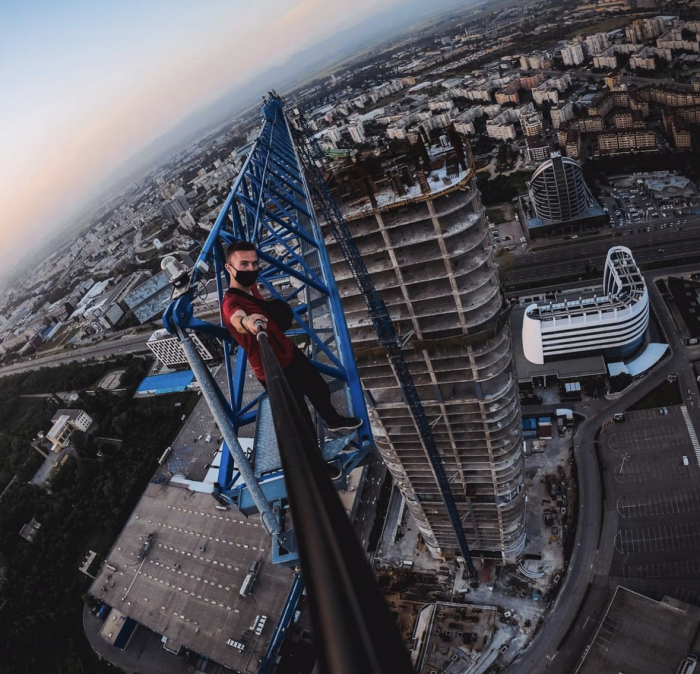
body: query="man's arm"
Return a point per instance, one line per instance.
(244, 323)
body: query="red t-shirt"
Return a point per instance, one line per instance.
(280, 343)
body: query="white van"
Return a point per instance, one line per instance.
(685, 461)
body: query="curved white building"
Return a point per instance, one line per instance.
(613, 324)
(558, 192)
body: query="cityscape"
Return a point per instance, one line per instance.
(483, 222)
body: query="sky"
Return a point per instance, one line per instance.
(85, 84)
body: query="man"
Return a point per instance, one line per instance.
(246, 313)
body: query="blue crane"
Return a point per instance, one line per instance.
(270, 205)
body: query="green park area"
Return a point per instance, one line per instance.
(84, 506)
(502, 188)
(495, 216)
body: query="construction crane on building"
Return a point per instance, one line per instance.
(312, 155)
(279, 202)
(270, 206)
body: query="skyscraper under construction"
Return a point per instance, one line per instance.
(425, 241)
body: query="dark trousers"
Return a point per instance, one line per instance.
(306, 382)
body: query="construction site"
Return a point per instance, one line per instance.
(182, 566)
(418, 222)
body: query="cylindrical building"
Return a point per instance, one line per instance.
(430, 257)
(558, 191)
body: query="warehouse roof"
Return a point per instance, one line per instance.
(186, 587)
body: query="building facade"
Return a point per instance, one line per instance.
(169, 352)
(558, 191)
(573, 55)
(627, 140)
(64, 423)
(532, 124)
(613, 324)
(432, 263)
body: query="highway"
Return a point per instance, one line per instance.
(118, 347)
(563, 259)
(557, 647)
(112, 346)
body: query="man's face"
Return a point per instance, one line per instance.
(242, 260)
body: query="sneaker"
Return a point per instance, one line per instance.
(344, 424)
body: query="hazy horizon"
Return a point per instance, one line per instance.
(88, 88)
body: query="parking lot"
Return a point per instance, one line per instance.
(658, 539)
(659, 503)
(628, 203)
(677, 569)
(656, 495)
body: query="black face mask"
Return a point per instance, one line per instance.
(246, 278)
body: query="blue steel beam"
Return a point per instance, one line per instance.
(270, 206)
(268, 664)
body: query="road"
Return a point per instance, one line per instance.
(564, 258)
(557, 647)
(124, 345)
(117, 344)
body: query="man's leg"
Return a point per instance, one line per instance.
(295, 376)
(306, 379)
(303, 376)
(301, 401)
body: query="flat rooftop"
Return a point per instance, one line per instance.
(442, 179)
(171, 382)
(457, 635)
(187, 586)
(569, 368)
(641, 635)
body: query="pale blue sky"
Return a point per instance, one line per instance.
(85, 84)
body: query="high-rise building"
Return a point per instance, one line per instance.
(333, 132)
(635, 31)
(425, 242)
(357, 132)
(558, 191)
(186, 221)
(597, 43)
(561, 113)
(573, 54)
(532, 124)
(173, 208)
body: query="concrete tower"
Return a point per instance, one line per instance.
(424, 239)
(558, 191)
